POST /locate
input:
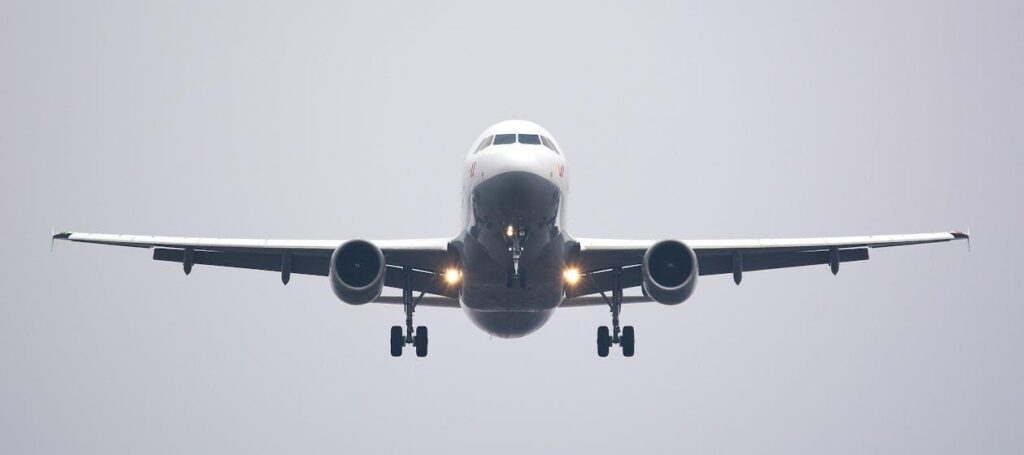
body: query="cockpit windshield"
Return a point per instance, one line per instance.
(547, 143)
(504, 139)
(501, 139)
(484, 143)
(529, 139)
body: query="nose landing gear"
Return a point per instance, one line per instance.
(516, 238)
(418, 338)
(624, 337)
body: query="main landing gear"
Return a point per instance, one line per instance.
(418, 338)
(625, 337)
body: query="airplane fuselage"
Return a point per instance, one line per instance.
(513, 239)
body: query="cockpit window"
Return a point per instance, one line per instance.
(547, 143)
(484, 143)
(529, 139)
(501, 139)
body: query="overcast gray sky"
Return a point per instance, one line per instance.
(686, 120)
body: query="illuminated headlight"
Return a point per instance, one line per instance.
(571, 275)
(452, 275)
(510, 231)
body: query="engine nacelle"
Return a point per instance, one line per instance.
(357, 272)
(670, 272)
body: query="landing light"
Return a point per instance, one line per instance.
(510, 231)
(572, 275)
(452, 276)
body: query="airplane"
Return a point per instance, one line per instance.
(513, 263)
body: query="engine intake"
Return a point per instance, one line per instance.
(357, 272)
(669, 272)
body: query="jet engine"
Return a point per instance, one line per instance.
(357, 272)
(669, 272)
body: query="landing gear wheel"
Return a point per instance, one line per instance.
(604, 341)
(627, 341)
(397, 341)
(421, 341)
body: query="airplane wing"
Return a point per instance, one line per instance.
(598, 257)
(427, 257)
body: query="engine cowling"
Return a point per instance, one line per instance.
(357, 272)
(669, 272)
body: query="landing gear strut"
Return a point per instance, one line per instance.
(417, 338)
(624, 337)
(516, 238)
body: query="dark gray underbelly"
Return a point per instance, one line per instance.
(509, 324)
(499, 301)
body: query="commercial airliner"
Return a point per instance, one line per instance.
(514, 262)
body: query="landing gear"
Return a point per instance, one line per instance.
(627, 341)
(418, 338)
(420, 341)
(624, 337)
(604, 341)
(397, 341)
(516, 238)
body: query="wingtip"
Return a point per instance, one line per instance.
(958, 235)
(62, 236)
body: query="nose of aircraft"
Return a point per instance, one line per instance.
(534, 159)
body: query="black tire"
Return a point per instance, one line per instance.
(604, 341)
(421, 341)
(628, 341)
(397, 341)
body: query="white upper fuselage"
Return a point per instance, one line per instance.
(496, 159)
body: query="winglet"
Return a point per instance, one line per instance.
(957, 235)
(62, 236)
